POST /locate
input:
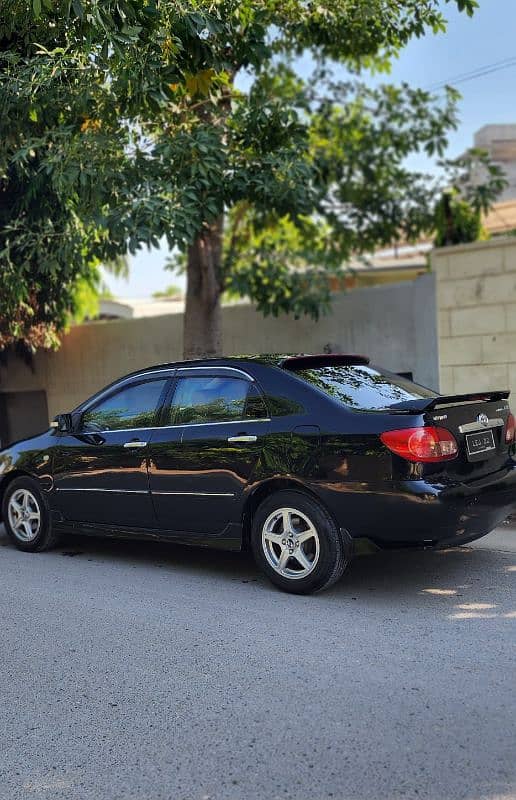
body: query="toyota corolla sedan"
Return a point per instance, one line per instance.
(300, 458)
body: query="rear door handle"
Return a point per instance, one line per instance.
(242, 438)
(135, 444)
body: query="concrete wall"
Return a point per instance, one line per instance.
(395, 325)
(476, 297)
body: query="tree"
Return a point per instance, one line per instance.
(125, 121)
(476, 184)
(52, 233)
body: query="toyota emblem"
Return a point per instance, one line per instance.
(483, 419)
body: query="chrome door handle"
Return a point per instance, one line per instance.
(242, 438)
(135, 444)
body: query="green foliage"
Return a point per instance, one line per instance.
(283, 265)
(85, 300)
(89, 291)
(475, 183)
(121, 124)
(476, 179)
(169, 291)
(457, 222)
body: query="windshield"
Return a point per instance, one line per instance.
(364, 388)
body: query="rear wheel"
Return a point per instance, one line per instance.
(26, 516)
(296, 543)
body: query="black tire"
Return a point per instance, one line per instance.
(330, 554)
(44, 537)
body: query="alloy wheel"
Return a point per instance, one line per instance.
(24, 515)
(290, 543)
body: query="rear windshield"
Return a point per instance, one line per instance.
(364, 388)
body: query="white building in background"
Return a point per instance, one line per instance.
(500, 143)
(134, 308)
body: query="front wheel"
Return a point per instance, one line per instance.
(297, 544)
(26, 516)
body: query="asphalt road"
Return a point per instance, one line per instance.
(142, 671)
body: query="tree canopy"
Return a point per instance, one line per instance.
(126, 121)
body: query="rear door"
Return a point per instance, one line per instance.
(207, 450)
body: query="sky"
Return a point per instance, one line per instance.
(469, 43)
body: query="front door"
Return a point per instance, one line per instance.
(100, 471)
(207, 451)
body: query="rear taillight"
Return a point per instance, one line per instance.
(421, 444)
(510, 429)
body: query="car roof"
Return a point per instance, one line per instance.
(287, 361)
(283, 361)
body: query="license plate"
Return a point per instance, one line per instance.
(480, 442)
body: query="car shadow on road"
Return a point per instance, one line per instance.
(459, 579)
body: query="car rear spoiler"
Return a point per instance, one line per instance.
(426, 404)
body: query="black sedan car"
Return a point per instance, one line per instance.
(299, 457)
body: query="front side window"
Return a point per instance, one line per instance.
(208, 399)
(133, 406)
(364, 388)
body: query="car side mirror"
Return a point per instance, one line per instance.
(63, 423)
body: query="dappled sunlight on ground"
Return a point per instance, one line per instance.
(49, 782)
(478, 609)
(481, 611)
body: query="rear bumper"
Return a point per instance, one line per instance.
(478, 507)
(417, 513)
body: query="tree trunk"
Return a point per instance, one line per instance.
(202, 326)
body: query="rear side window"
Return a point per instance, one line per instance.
(364, 388)
(208, 399)
(255, 407)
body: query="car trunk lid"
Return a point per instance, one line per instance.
(478, 422)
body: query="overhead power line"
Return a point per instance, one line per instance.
(487, 69)
(474, 71)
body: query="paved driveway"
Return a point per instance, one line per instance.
(133, 670)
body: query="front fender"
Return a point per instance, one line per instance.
(32, 457)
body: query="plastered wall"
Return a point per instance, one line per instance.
(395, 325)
